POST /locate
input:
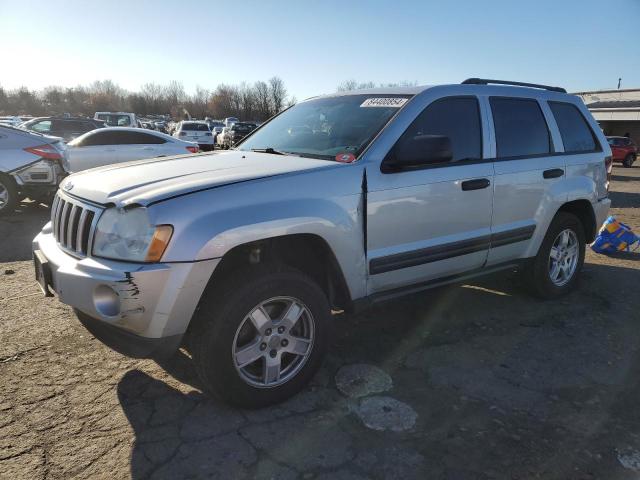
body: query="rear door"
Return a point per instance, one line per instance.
(526, 169)
(96, 149)
(434, 222)
(137, 145)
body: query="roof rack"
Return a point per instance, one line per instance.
(486, 81)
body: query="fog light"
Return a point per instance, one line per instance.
(106, 301)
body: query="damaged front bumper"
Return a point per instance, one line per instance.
(140, 310)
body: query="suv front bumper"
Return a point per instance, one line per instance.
(140, 310)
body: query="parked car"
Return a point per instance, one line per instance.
(242, 256)
(11, 121)
(195, 132)
(221, 137)
(118, 119)
(623, 150)
(230, 121)
(118, 144)
(236, 133)
(216, 128)
(31, 165)
(66, 128)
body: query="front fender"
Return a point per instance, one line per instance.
(209, 224)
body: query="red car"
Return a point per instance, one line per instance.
(623, 149)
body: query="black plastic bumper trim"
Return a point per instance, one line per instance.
(127, 343)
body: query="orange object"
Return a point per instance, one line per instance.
(159, 243)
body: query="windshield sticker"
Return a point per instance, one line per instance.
(345, 157)
(384, 102)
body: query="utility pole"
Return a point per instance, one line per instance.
(619, 80)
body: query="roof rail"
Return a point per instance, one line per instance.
(486, 81)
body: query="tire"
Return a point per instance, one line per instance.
(223, 332)
(8, 195)
(540, 272)
(628, 161)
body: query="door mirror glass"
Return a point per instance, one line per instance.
(421, 150)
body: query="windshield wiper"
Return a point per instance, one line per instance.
(269, 150)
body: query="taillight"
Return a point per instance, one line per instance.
(194, 149)
(608, 165)
(45, 151)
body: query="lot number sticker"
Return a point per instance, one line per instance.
(384, 102)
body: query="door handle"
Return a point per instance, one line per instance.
(553, 173)
(477, 184)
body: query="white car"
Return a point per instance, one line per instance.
(195, 132)
(11, 121)
(118, 144)
(118, 119)
(31, 165)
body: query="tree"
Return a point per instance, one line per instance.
(278, 93)
(199, 102)
(257, 101)
(4, 101)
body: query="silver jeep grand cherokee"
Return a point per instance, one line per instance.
(337, 203)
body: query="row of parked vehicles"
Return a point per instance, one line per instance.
(37, 153)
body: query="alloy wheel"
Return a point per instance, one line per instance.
(273, 342)
(563, 257)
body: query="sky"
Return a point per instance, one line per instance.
(314, 46)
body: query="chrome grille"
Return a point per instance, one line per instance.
(73, 224)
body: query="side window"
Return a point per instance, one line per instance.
(521, 129)
(42, 127)
(576, 134)
(455, 117)
(102, 138)
(98, 138)
(138, 138)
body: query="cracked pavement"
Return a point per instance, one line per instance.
(473, 381)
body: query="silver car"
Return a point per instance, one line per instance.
(338, 203)
(31, 165)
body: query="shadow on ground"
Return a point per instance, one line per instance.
(504, 386)
(18, 229)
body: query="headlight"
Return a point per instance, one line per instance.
(129, 235)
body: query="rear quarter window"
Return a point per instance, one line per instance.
(576, 134)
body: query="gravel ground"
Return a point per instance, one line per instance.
(475, 381)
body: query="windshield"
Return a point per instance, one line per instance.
(326, 127)
(114, 120)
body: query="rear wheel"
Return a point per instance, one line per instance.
(628, 161)
(8, 194)
(554, 271)
(260, 338)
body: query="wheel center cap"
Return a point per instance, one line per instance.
(274, 342)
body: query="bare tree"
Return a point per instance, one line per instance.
(263, 100)
(257, 101)
(199, 102)
(278, 93)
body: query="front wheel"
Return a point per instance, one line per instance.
(628, 161)
(260, 338)
(554, 270)
(8, 195)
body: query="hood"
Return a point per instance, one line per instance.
(146, 181)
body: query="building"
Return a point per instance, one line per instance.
(617, 111)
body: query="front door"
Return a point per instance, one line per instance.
(434, 222)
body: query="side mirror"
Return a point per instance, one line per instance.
(412, 152)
